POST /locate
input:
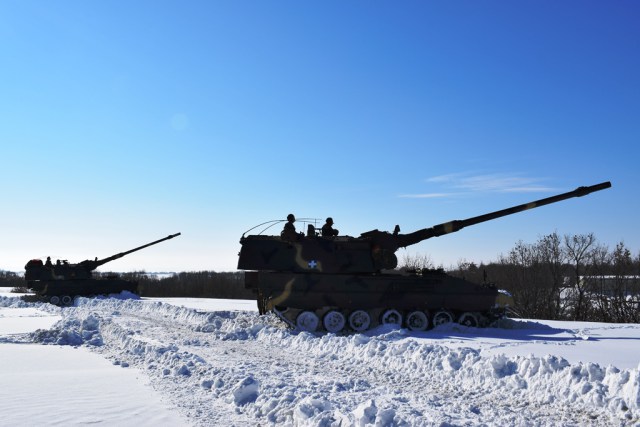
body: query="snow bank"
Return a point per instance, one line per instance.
(240, 367)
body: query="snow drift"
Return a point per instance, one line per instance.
(235, 367)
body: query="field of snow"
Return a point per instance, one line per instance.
(196, 362)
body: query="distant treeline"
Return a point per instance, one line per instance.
(197, 284)
(9, 279)
(570, 277)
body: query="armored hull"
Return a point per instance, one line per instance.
(63, 292)
(334, 302)
(335, 283)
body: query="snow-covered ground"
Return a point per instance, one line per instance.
(204, 362)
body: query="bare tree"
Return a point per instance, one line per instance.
(520, 273)
(625, 287)
(553, 257)
(416, 262)
(577, 250)
(596, 285)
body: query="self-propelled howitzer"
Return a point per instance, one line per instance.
(346, 281)
(61, 281)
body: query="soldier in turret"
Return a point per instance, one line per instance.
(289, 231)
(328, 230)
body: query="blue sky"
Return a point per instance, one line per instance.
(123, 122)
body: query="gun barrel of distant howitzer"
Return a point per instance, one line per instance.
(456, 225)
(121, 254)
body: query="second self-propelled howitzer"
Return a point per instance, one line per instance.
(61, 282)
(341, 281)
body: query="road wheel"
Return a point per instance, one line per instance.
(334, 321)
(442, 317)
(391, 317)
(359, 320)
(55, 300)
(469, 319)
(307, 321)
(417, 321)
(66, 300)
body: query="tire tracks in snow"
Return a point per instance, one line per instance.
(237, 368)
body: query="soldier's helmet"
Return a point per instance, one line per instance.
(330, 221)
(291, 218)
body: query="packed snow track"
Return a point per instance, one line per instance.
(239, 368)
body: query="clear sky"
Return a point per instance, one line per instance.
(122, 122)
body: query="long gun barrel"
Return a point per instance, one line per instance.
(456, 225)
(92, 265)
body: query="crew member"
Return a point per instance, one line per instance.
(289, 231)
(328, 230)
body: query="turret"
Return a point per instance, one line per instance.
(36, 270)
(371, 252)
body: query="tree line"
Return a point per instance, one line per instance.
(569, 277)
(9, 279)
(195, 284)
